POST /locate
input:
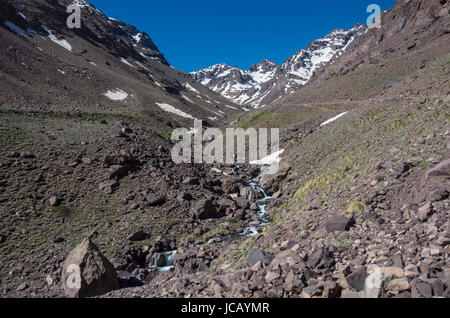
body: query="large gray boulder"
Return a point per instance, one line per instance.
(441, 170)
(256, 256)
(87, 273)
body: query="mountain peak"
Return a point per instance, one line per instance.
(266, 81)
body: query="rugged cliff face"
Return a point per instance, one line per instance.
(266, 82)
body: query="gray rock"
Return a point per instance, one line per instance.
(153, 199)
(357, 279)
(256, 256)
(425, 212)
(315, 205)
(54, 201)
(320, 259)
(22, 286)
(441, 170)
(422, 290)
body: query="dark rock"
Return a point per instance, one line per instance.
(191, 181)
(184, 196)
(159, 260)
(357, 279)
(256, 256)
(339, 223)
(204, 209)
(397, 261)
(58, 240)
(26, 155)
(230, 185)
(118, 171)
(138, 236)
(403, 295)
(320, 259)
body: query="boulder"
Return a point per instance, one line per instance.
(87, 273)
(108, 187)
(138, 236)
(230, 185)
(153, 199)
(441, 170)
(256, 256)
(438, 195)
(357, 279)
(270, 182)
(339, 224)
(425, 212)
(319, 259)
(204, 209)
(121, 158)
(118, 171)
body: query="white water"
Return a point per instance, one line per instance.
(250, 231)
(169, 262)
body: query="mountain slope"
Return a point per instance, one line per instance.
(107, 65)
(266, 82)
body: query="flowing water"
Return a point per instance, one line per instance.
(250, 231)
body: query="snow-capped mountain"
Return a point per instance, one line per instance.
(236, 84)
(266, 82)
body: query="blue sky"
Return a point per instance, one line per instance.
(194, 34)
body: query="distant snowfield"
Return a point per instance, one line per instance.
(62, 43)
(170, 109)
(116, 94)
(329, 121)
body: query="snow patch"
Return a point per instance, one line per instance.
(269, 160)
(170, 109)
(329, 121)
(116, 94)
(62, 43)
(125, 62)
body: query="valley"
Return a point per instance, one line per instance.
(87, 177)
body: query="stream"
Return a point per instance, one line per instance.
(249, 231)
